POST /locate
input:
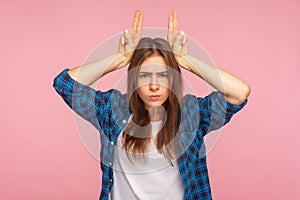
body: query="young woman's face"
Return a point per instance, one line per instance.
(153, 82)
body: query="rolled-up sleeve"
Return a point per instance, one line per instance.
(84, 100)
(216, 111)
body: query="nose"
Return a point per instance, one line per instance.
(153, 83)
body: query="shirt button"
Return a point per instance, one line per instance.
(110, 180)
(112, 143)
(124, 121)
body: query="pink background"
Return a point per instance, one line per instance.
(42, 157)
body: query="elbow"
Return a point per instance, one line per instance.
(245, 92)
(241, 94)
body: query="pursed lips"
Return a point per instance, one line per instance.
(154, 97)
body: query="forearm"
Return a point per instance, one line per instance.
(88, 73)
(235, 89)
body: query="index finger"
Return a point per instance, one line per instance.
(140, 22)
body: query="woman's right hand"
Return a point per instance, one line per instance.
(130, 38)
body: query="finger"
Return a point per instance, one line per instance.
(127, 36)
(179, 37)
(175, 23)
(140, 22)
(122, 39)
(170, 24)
(135, 19)
(184, 40)
(182, 34)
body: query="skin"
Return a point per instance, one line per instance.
(89, 73)
(235, 89)
(153, 82)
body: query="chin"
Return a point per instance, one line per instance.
(154, 105)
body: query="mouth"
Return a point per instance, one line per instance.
(154, 97)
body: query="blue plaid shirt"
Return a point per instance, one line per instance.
(108, 112)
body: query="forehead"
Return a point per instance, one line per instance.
(153, 64)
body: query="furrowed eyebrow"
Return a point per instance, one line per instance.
(162, 72)
(145, 73)
(151, 72)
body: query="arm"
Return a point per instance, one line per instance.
(235, 90)
(87, 74)
(73, 85)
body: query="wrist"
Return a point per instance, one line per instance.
(186, 57)
(120, 55)
(121, 60)
(182, 60)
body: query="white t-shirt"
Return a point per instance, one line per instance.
(154, 180)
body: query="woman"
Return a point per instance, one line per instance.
(151, 136)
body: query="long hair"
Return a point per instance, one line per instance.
(136, 133)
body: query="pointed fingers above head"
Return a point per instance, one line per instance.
(175, 22)
(136, 19)
(170, 22)
(140, 22)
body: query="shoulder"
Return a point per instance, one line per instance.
(115, 97)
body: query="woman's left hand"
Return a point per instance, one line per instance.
(177, 39)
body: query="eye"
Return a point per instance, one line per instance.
(164, 75)
(144, 75)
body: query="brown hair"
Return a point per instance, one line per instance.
(136, 133)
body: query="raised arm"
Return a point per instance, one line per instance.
(235, 90)
(88, 73)
(73, 84)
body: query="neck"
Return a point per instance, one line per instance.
(156, 113)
